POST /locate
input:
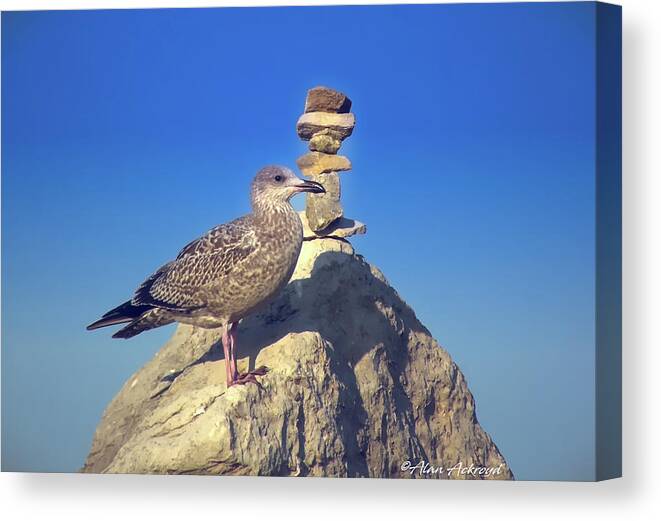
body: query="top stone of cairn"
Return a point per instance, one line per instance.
(324, 99)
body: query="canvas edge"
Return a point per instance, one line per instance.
(608, 254)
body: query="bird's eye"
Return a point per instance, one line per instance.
(278, 178)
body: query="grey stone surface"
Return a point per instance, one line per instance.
(322, 209)
(357, 387)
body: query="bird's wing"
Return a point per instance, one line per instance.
(178, 285)
(236, 232)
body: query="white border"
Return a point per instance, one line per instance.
(633, 497)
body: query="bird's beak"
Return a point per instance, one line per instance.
(310, 186)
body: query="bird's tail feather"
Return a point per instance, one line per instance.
(125, 312)
(152, 319)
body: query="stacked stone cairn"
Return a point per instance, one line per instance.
(326, 122)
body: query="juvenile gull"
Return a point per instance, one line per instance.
(227, 273)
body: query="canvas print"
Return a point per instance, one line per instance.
(348, 241)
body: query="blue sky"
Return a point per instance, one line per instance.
(127, 133)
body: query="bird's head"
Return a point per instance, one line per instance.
(278, 184)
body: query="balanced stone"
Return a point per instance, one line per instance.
(312, 122)
(326, 141)
(322, 211)
(340, 228)
(315, 163)
(324, 99)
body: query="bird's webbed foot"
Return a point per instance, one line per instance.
(250, 377)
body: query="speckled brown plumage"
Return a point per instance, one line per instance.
(227, 273)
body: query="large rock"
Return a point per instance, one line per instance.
(325, 99)
(357, 387)
(315, 163)
(323, 209)
(312, 122)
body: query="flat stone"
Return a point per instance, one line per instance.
(312, 122)
(315, 163)
(322, 209)
(340, 228)
(325, 99)
(326, 141)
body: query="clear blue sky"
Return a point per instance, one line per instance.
(127, 133)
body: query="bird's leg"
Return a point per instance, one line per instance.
(231, 330)
(230, 369)
(243, 378)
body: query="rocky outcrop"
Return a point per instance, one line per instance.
(357, 387)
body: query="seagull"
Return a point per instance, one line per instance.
(228, 273)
